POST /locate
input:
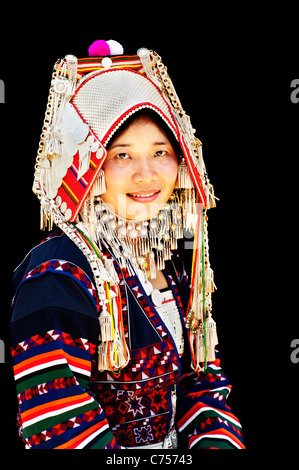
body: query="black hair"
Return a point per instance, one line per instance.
(154, 116)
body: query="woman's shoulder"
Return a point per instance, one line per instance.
(54, 276)
(55, 251)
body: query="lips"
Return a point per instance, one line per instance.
(144, 196)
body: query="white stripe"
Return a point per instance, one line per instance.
(44, 365)
(216, 436)
(91, 65)
(213, 366)
(80, 371)
(208, 408)
(47, 364)
(50, 414)
(219, 388)
(91, 437)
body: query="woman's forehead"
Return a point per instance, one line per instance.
(145, 125)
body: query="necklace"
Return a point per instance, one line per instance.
(141, 244)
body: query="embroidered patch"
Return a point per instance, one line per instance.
(70, 269)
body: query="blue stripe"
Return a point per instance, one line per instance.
(74, 351)
(52, 395)
(56, 441)
(73, 171)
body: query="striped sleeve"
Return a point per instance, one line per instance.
(53, 348)
(205, 421)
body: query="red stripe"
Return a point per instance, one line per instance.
(76, 441)
(224, 432)
(55, 405)
(199, 406)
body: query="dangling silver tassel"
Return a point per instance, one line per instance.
(209, 280)
(100, 183)
(71, 67)
(91, 218)
(200, 348)
(210, 326)
(45, 177)
(211, 198)
(209, 274)
(43, 218)
(84, 162)
(184, 180)
(160, 256)
(152, 265)
(201, 164)
(111, 270)
(153, 232)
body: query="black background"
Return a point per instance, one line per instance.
(232, 69)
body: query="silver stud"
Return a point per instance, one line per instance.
(80, 133)
(106, 62)
(143, 52)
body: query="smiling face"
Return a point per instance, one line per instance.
(140, 170)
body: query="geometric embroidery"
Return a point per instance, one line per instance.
(65, 267)
(53, 335)
(135, 406)
(63, 427)
(56, 384)
(143, 434)
(135, 402)
(149, 369)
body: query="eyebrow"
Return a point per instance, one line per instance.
(130, 145)
(119, 145)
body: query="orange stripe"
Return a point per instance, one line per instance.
(51, 356)
(57, 404)
(36, 360)
(223, 432)
(196, 408)
(73, 443)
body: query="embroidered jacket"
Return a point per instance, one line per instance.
(65, 403)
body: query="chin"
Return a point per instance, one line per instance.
(138, 212)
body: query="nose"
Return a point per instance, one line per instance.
(145, 172)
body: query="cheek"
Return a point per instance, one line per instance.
(113, 177)
(170, 172)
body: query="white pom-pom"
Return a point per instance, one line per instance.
(115, 47)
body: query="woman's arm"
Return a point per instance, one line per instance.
(204, 420)
(54, 332)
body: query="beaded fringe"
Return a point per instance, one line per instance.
(202, 327)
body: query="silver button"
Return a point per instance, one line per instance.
(106, 62)
(143, 52)
(80, 133)
(157, 298)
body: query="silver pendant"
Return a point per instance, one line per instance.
(157, 298)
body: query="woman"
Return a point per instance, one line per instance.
(113, 345)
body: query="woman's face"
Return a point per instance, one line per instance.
(140, 171)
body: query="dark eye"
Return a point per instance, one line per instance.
(123, 156)
(160, 153)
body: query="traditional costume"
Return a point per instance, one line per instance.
(101, 359)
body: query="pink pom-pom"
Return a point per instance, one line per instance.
(99, 48)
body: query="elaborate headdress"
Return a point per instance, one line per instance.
(89, 100)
